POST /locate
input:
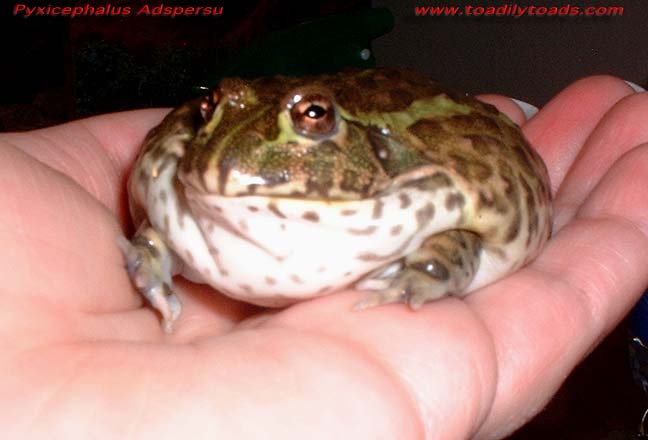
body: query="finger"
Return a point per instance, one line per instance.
(59, 256)
(621, 129)
(621, 191)
(586, 280)
(96, 152)
(121, 134)
(506, 106)
(561, 128)
(51, 228)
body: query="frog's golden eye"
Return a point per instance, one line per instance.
(313, 115)
(209, 103)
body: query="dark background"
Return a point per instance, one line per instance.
(530, 58)
(59, 69)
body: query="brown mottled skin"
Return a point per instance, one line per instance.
(357, 138)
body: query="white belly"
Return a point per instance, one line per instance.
(274, 252)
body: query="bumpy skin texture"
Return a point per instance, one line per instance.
(257, 190)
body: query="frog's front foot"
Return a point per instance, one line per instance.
(444, 265)
(148, 261)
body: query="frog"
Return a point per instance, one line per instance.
(281, 189)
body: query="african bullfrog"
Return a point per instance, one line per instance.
(280, 189)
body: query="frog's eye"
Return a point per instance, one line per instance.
(208, 104)
(313, 115)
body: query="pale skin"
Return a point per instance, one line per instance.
(83, 357)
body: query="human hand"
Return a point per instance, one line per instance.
(81, 355)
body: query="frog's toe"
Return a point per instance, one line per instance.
(378, 297)
(164, 301)
(149, 269)
(410, 287)
(444, 265)
(419, 294)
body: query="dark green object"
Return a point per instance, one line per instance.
(326, 44)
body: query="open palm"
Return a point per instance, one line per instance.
(81, 355)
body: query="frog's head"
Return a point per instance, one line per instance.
(339, 136)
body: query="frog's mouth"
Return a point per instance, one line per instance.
(238, 183)
(235, 183)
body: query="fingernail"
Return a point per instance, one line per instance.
(636, 87)
(528, 109)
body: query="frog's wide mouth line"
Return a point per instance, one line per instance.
(285, 200)
(192, 191)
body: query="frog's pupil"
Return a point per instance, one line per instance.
(315, 111)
